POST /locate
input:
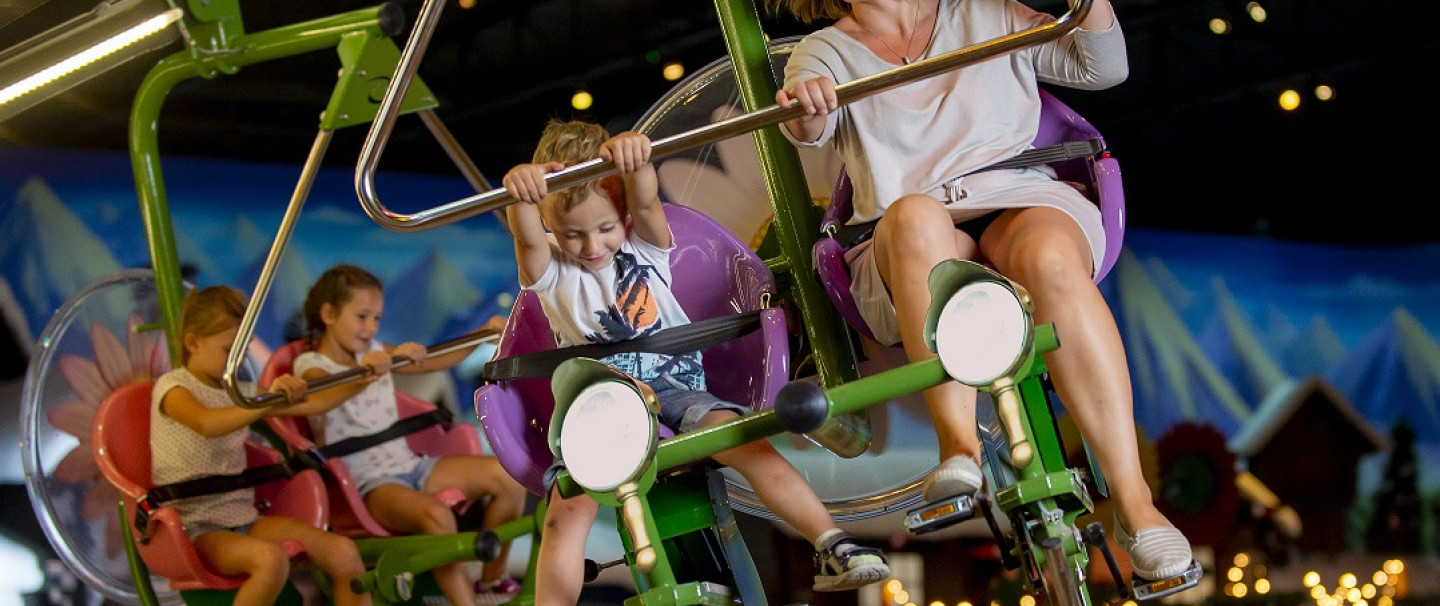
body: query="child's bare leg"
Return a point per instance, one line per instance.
(560, 565)
(780, 487)
(479, 476)
(333, 554)
(265, 564)
(403, 510)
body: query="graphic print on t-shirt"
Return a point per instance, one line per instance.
(634, 313)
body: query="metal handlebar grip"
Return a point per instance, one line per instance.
(1007, 402)
(633, 512)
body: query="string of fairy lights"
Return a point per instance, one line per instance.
(1244, 580)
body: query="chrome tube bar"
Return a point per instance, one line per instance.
(452, 148)
(359, 372)
(583, 172)
(267, 272)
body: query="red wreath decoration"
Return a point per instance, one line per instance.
(1197, 482)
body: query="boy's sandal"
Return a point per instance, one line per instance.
(857, 567)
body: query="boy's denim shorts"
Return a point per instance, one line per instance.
(681, 407)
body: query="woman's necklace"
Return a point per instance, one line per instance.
(914, 26)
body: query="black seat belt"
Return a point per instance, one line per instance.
(851, 234)
(673, 341)
(260, 474)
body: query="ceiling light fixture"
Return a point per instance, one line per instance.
(81, 48)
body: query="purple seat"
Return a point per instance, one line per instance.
(714, 274)
(1100, 177)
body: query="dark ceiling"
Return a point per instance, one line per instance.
(1197, 126)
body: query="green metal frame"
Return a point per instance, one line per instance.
(218, 45)
(796, 225)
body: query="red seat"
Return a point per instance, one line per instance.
(348, 515)
(121, 438)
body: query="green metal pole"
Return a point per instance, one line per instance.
(749, 52)
(793, 230)
(309, 36)
(849, 398)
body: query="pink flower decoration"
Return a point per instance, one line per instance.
(142, 357)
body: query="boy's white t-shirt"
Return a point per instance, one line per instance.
(372, 410)
(627, 299)
(178, 453)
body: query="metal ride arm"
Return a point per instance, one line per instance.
(216, 44)
(353, 374)
(587, 171)
(691, 447)
(694, 446)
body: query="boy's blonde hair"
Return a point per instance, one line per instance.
(571, 143)
(810, 11)
(209, 311)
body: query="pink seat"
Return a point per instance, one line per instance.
(1058, 123)
(121, 438)
(714, 274)
(348, 515)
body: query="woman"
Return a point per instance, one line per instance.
(917, 154)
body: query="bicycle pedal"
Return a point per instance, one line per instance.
(941, 514)
(1150, 590)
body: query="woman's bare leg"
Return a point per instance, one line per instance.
(1044, 250)
(914, 236)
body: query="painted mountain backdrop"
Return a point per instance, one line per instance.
(1213, 324)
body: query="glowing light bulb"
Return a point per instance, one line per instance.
(1289, 100)
(582, 100)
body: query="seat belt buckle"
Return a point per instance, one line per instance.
(955, 189)
(311, 458)
(143, 510)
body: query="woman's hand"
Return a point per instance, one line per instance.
(816, 96)
(526, 182)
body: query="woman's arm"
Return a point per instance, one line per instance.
(1101, 15)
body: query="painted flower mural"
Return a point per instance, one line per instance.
(141, 357)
